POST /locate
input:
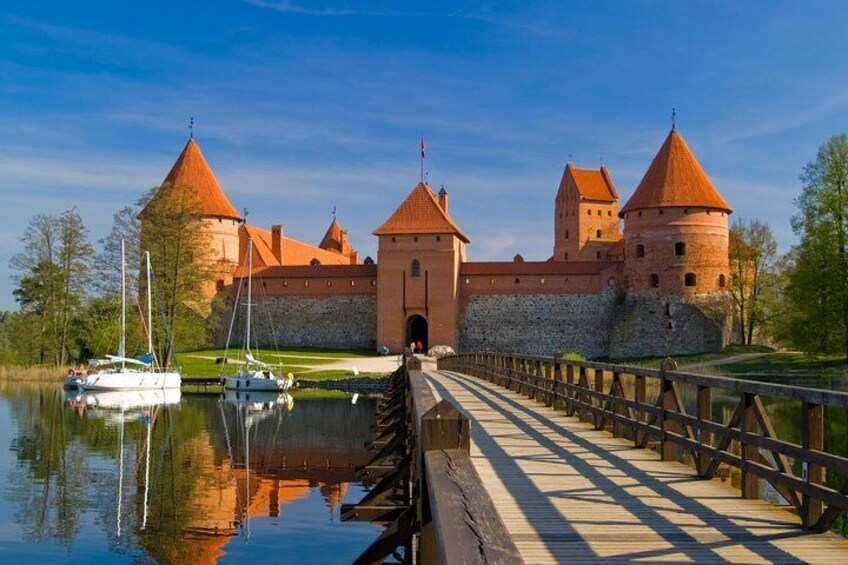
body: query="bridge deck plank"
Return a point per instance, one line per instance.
(567, 492)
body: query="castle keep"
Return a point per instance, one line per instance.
(659, 287)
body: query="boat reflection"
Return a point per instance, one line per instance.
(194, 473)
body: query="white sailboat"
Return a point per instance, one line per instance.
(255, 375)
(145, 377)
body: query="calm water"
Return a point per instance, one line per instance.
(144, 478)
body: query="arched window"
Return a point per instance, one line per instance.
(598, 234)
(654, 281)
(314, 262)
(689, 279)
(640, 250)
(599, 212)
(566, 234)
(721, 281)
(680, 249)
(416, 268)
(588, 212)
(368, 261)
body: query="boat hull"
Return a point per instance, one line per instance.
(247, 382)
(131, 380)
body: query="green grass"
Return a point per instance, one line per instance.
(335, 375)
(202, 364)
(694, 358)
(790, 365)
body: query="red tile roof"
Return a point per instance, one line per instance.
(335, 239)
(591, 184)
(192, 170)
(675, 179)
(420, 213)
(294, 252)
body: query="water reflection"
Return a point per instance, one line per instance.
(152, 475)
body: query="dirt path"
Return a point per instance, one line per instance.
(728, 360)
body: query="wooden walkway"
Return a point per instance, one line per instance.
(570, 494)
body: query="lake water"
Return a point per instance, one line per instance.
(170, 478)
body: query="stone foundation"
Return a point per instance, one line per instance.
(339, 322)
(538, 324)
(672, 325)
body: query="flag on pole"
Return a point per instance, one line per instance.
(423, 147)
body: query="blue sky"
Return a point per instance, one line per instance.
(301, 106)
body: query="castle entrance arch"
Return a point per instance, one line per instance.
(417, 330)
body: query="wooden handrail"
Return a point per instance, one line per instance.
(614, 397)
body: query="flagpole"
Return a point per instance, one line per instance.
(422, 156)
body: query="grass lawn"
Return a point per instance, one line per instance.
(790, 365)
(729, 351)
(202, 363)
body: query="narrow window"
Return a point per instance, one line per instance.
(415, 239)
(219, 284)
(588, 212)
(491, 282)
(566, 234)
(329, 283)
(305, 283)
(654, 281)
(661, 212)
(689, 279)
(721, 281)
(680, 249)
(517, 281)
(599, 212)
(640, 250)
(416, 268)
(598, 234)
(597, 254)
(373, 283)
(315, 262)
(352, 283)
(609, 212)
(438, 238)
(565, 255)
(394, 239)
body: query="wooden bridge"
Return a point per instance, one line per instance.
(581, 462)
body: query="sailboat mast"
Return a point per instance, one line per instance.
(249, 288)
(149, 307)
(123, 351)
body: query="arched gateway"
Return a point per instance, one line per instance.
(416, 330)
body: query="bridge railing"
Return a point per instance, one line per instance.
(429, 496)
(646, 405)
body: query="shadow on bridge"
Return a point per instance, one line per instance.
(718, 533)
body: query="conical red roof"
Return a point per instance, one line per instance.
(333, 238)
(191, 169)
(675, 179)
(420, 213)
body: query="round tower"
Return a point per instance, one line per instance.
(676, 231)
(220, 219)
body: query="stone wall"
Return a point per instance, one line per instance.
(346, 322)
(538, 324)
(672, 325)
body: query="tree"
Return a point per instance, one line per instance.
(126, 227)
(52, 281)
(175, 236)
(818, 277)
(753, 253)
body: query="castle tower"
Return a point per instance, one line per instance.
(586, 221)
(221, 221)
(335, 240)
(420, 250)
(676, 227)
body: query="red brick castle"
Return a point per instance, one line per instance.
(658, 287)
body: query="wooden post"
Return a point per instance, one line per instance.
(705, 437)
(599, 388)
(558, 403)
(445, 427)
(615, 388)
(750, 483)
(569, 378)
(583, 383)
(812, 437)
(668, 450)
(638, 435)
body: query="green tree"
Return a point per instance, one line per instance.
(753, 253)
(52, 281)
(817, 286)
(175, 236)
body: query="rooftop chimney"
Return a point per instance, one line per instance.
(443, 199)
(277, 242)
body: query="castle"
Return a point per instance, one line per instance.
(658, 287)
